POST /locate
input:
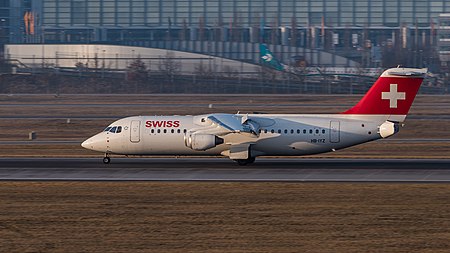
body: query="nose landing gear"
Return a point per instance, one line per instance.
(106, 159)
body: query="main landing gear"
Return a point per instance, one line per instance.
(243, 162)
(106, 159)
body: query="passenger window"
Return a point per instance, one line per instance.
(317, 131)
(310, 131)
(292, 131)
(323, 131)
(279, 131)
(119, 129)
(165, 131)
(304, 131)
(298, 131)
(159, 131)
(179, 131)
(184, 131)
(153, 131)
(113, 130)
(172, 131)
(285, 131)
(272, 131)
(265, 131)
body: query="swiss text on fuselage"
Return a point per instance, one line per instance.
(162, 123)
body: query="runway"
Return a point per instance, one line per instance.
(217, 169)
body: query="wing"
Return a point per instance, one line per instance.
(235, 123)
(214, 128)
(223, 124)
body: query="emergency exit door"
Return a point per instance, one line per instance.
(334, 131)
(135, 131)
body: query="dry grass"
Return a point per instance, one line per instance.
(223, 217)
(104, 105)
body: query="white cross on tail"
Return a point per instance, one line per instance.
(393, 95)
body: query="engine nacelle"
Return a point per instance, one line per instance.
(202, 142)
(388, 129)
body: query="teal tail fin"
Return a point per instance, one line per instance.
(268, 59)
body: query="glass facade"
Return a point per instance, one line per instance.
(355, 29)
(303, 23)
(12, 25)
(4, 21)
(246, 13)
(444, 39)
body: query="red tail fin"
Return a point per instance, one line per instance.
(392, 94)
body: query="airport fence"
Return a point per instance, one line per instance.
(100, 81)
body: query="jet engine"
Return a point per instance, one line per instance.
(388, 129)
(202, 142)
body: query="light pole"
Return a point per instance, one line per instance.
(2, 22)
(103, 64)
(43, 46)
(2, 32)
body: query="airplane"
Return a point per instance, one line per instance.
(243, 137)
(269, 60)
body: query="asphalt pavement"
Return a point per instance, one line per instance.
(218, 169)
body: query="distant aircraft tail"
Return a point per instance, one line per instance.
(269, 59)
(392, 94)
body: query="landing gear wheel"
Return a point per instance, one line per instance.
(243, 162)
(106, 160)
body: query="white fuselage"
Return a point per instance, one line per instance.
(279, 135)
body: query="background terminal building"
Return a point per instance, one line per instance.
(371, 33)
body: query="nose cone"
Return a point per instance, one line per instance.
(86, 144)
(96, 143)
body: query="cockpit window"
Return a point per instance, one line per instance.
(113, 129)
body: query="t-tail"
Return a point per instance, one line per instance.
(392, 95)
(269, 59)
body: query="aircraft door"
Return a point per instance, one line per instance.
(334, 131)
(135, 131)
